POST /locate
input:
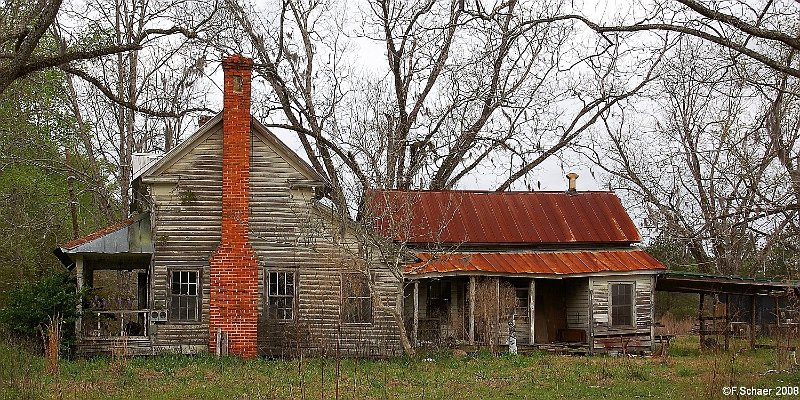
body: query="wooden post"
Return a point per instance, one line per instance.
(653, 314)
(79, 280)
(532, 309)
(497, 309)
(471, 291)
(727, 320)
(701, 322)
(752, 322)
(777, 321)
(590, 316)
(415, 330)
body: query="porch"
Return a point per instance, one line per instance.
(113, 266)
(546, 313)
(115, 317)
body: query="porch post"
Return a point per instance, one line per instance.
(471, 291)
(752, 322)
(79, 278)
(497, 307)
(700, 320)
(653, 313)
(532, 309)
(590, 316)
(415, 329)
(727, 320)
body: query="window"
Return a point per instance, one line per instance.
(356, 299)
(280, 295)
(184, 302)
(622, 304)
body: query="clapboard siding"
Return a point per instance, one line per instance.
(186, 230)
(286, 232)
(577, 303)
(634, 338)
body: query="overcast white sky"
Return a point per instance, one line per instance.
(371, 58)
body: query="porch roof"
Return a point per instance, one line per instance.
(131, 236)
(692, 282)
(536, 263)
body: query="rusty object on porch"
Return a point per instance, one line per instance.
(479, 217)
(561, 262)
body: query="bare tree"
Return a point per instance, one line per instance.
(706, 173)
(760, 31)
(150, 90)
(463, 87)
(26, 44)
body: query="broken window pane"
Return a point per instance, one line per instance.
(280, 295)
(184, 296)
(356, 298)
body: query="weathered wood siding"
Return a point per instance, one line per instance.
(287, 234)
(576, 292)
(187, 218)
(634, 338)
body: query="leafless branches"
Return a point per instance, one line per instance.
(707, 167)
(26, 47)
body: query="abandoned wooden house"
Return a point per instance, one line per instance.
(218, 257)
(225, 254)
(558, 269)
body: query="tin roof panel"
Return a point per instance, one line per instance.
(474, 217)
(542, 262)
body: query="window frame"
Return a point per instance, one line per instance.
(267, 295)
(198, 296)
(631, 307)
(345, 300)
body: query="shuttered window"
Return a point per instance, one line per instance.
(356, 299)
(184, 304)
(280, 295)
(622, 304)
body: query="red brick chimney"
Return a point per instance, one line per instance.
(233, 303)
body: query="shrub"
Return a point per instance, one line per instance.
(31, 306)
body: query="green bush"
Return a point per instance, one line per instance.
(30, 306)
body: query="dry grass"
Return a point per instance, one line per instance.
(687, 372)
(675, 326)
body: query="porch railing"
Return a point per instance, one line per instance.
(114, 323)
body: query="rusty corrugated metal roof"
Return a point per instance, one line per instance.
(479, 217)
(542, 262)
(100, 232)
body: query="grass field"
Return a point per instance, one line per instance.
(685, 374)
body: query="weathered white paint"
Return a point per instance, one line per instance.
(640, 334)
(415, 334)
(471, 310)
(532, 310)
(79, 282)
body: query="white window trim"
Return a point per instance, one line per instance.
(267, 272)
(611, 303)
(342, 301)
(199, 296)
